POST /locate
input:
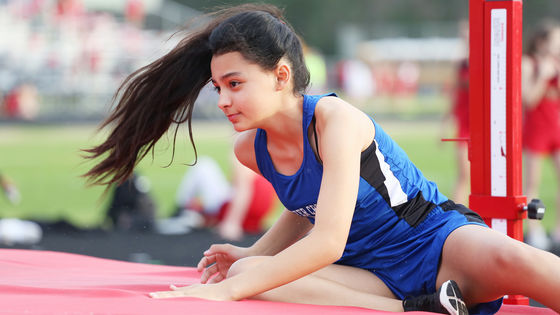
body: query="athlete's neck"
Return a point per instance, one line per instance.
(286, 124)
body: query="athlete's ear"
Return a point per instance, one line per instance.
(283, 74)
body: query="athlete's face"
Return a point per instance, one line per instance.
(246, 91)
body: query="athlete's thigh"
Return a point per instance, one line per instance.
(478, 258)
(355, 278)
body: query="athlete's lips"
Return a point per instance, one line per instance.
(232, 117)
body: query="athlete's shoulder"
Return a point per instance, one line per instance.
(348, 119)
(244, 149)
(335, 108)
(330, 104)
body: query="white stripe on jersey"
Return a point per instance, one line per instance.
(394, 189)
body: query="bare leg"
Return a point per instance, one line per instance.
(556, 233)
(532, 174)
(536, 235)
(460, 194)
(487, 265)
(332, 285)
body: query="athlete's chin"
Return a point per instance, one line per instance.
(240, 127)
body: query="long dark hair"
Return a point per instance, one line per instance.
(163, 92)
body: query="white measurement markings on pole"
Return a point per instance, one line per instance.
(498, 152)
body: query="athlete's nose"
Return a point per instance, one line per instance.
(224, 100)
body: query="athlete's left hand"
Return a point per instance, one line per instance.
(214, 291)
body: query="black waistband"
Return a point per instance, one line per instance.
(468, 213)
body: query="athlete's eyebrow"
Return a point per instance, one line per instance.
(227, 75)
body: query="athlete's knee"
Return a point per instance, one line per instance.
(244, 264)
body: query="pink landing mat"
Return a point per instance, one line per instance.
(43, 282)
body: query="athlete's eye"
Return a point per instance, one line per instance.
(217, 89)
(234, 83)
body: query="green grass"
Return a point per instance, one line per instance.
(45, 163)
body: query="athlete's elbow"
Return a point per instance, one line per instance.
(337, 252)
(332, 248)
(336, 255)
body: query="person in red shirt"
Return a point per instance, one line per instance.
(459, 113)
(541, 130)
(205, 198)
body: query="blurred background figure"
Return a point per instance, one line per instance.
(19, 232)
(135, 12)
(10, 190)
(14, 231)
(22, 102)
(205, 198)
(459, 113)
(356, 79)
(131, 207)
(541, 130)
(202, 192)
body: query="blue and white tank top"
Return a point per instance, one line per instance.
(393, 196)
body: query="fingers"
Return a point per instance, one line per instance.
(205, 262)
(167, 294)
(218, 248)
(208, 272)
(211, 254)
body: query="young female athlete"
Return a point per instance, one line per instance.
(541, 132)
(363, 227)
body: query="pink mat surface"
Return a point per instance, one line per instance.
(43, 282)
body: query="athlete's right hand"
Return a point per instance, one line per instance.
(217, 260)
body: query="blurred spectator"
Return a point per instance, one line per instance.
(356, 79)
(14, 231)
(19, 232)
(205, 199)
(384, 74)
(131, 207)
(134, 12)
(69, 9)
(541, 131)
(459, 113)
(72, 57)
(10, 190)
(22, 102)
(408, 74)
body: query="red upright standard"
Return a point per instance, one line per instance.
(496, 116)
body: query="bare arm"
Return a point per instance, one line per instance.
(533, 84)
(289, 227)
(343, 132)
